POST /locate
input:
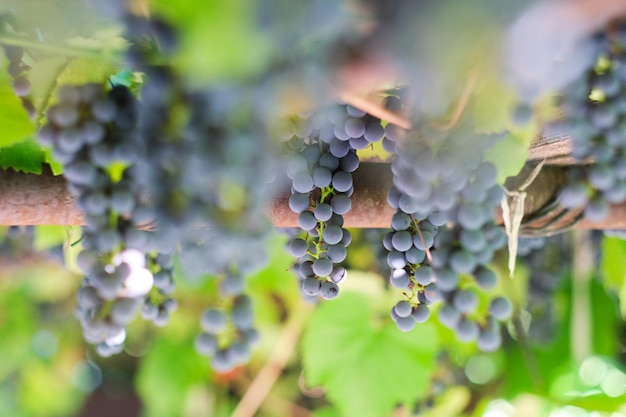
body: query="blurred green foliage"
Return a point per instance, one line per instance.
(351, 359)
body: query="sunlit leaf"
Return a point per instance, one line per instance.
(327, 412)
(348, 349)
(26, 156)
(16, 126)
(168, 371)
(509, 155)
(218, 39)
(614, 268)
(492, 105)
(86, 70)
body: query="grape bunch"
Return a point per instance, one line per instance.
(320, 169)
(442, 180)
(208, 166)
(228, 334)
(595, 116)
(89, 130)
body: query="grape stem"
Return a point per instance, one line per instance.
(374, 109)
(269, 374)
(469, 88)
(419, 233)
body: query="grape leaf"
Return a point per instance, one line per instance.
(326, 412)
(55, 166)
(49, 236)
(509, 155)
(347, 351)
(42, 77)
(492, 105)
(167, 376)
(218, 39)
(16, 126)
(26, 156)
(614, 268)
(85, 70)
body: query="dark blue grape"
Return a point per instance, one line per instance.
(403, 308)
(501, 308)
(213, 321)
(299, 202)
(341, 204)
(329, 290)
(421, 313)
(322, 267)
(399, 278)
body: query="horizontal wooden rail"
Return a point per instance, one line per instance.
(27, 199)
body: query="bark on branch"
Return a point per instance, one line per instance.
(27, 199)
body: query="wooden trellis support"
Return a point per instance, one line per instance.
(27, 199)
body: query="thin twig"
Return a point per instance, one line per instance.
(274, 404)
(314, 392)
(374, 109)
(461, 105)
(419, 233)
(269, 374)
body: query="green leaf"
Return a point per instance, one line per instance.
(450, 404)
(47, 237)
(86, 70)
(168, 375)
(56, 167)
(492, 105)
(605, 320)
(348, 349)
(46, 393)
(218, 38)
(42, 77)
(613, 262)
(326, 412)
(26, 156)
(614, 268)
(16, 126)
(509, 155)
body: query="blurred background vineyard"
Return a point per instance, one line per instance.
(564, 351)
(569, 361)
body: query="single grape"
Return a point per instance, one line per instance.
(311, 286)
(213, 321)
(323, 212)
(297, 247)
(446, 279)
(299, 202)
(449, 316)
(501, 308)
(403, 308)
(333, 234)
(342, 181)
(341, 204)
(424, 275)
(329, 290)
(405, 324)
(465, 301)
(467, 330)
(485, 278)
(242, 313)
(322, 267)
(421, 313)
(402, 241)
